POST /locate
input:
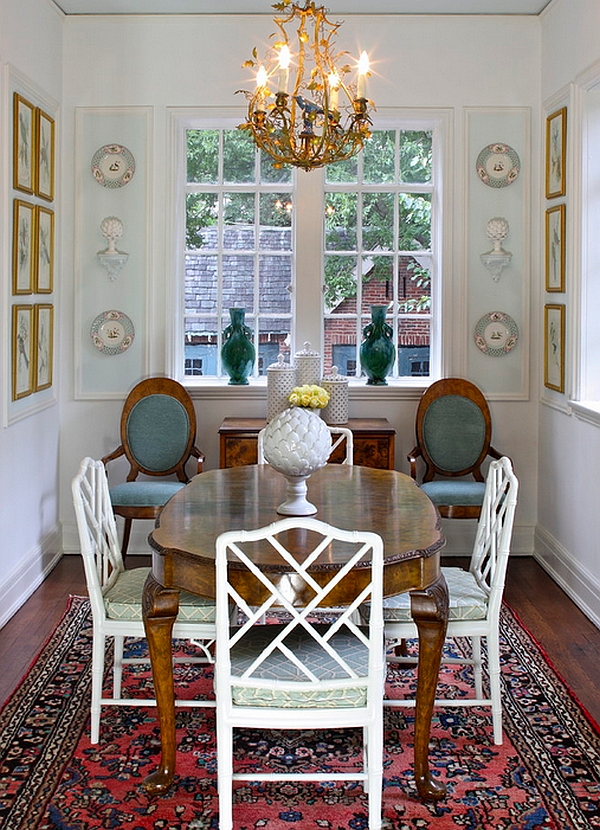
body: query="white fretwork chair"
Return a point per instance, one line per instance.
(116, 595)
(340, 437)
(298, 673)
(475, 596)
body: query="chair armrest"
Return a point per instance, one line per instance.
(412, 459)
(114, 454)
(494, 453)
(200, 456)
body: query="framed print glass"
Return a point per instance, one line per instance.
(23, 144)
(22, 364)
(44, 167)
(554, 347)
(23, 247)
(556, 149)
(43, 349)
(555, 248)
(44, 251)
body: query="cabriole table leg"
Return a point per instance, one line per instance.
(160, 606)
(429, 610)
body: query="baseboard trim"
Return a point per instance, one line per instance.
(29, 575)
(577, 582)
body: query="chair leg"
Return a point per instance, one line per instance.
(477, 666)
(374, 756)
(97, 676)
(126, 535)
(495, 690)
(117, 666)
(225, 775)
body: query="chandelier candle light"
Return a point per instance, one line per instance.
(304, 111)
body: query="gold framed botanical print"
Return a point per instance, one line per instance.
(554, 347)
(44, 165)
(44, 251)
(556, 153)
(555, 248)
(43, 339)
(22, 363)
(23, 248)
(23, 144)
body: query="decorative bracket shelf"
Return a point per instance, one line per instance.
(496, 262)
(112, 262)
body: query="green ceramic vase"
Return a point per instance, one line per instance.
(237, 350)
(377, 351)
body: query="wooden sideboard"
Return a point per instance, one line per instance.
(373, 442)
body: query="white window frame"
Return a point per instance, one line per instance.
(307, 325)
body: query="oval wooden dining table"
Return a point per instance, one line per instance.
(349, 497)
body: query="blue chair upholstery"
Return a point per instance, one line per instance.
(453, 430)
(158, 431)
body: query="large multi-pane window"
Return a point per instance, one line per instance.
(377, 237)
(239, 248)
(378, 249)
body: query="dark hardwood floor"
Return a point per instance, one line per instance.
(570, 640)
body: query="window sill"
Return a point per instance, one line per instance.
(588, 411)
(213, 389)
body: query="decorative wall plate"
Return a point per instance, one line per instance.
(496, 334)
(113, 165)
(498, 165)
(112, 332)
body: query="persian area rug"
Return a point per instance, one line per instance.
(545, 775)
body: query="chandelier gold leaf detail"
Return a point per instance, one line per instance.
(305, 111)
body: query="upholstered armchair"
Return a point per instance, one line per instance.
(453, 431)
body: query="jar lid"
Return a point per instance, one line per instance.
(281, 364)
(333, 377)
(307, 351)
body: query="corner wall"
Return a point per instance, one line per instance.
(30, 63)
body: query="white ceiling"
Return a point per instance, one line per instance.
(334, 6)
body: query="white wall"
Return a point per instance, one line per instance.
(31, 62)
(569, 444)
(461, 64)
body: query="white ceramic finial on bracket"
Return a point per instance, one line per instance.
(111, 258)
(497, 259)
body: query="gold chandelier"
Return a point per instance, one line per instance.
(304, 111)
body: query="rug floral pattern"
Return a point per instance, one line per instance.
(545, 775)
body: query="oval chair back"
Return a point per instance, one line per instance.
(158, 431)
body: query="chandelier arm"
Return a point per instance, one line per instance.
(304, 129)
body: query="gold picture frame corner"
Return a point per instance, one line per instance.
(21, 344)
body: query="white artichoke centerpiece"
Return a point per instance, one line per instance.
(296, 442)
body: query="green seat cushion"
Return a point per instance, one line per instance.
(277, 666)
(467, 600)
(144, 493)
(124, 600)
(455, 492)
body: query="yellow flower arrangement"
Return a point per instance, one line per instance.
(310, 396)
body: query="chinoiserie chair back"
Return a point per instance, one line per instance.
(475, 596)
(341, 437)
(116, 594)
(158, 431)
(296, 672)
(453, 439)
